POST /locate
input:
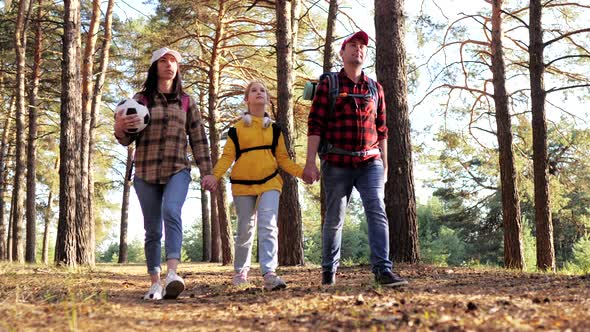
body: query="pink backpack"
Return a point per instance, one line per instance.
(185, 99)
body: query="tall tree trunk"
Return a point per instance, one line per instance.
(94, 113)
(206, 226)
(513, 254)
(330, 36)
(543, 222)
(221, 217)
(295, 12)
(125, 206)
(48, 215)
(289, 218)
(31, 143)
(71, 105)
(328, 64)
(205, 211)
(224, 225)
(215, 236)
(85, 249)
(400, 198)
(4, 153)
(20, 39)
(10, 226)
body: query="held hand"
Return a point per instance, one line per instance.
(311, 173)
(209, 182)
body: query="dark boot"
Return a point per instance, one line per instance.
(328, 278)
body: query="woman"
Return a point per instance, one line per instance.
(162, 172)
(258, 149)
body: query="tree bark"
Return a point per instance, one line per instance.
(31, 214)
(94, 113)
(206, 226)
(400, 198)
(205, 211)
(4, 153)
(329, 54)
(219, 229)
(513, 254)
(71, 105)
(543, 221)
(48, 215)
(289, 218)
(328, 64)
(84, 229)
(125, 207)
(20, 41)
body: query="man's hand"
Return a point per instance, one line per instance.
(209, 182)
(311, 173)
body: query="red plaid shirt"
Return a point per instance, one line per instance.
(353, 125)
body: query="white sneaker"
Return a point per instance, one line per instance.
(273, 282)
(174, 286)
(240, 279)
(155, 292)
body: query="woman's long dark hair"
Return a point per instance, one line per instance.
(150, 86)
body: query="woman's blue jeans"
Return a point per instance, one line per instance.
(338, 183)
(162, 202)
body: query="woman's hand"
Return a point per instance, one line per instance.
(124, 122)
(209, 182)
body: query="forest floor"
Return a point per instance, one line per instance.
(107, 297)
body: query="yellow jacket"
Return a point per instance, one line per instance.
(255, 164)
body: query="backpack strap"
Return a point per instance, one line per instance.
(333, 88)
(251, 182)
(233, 134)
(374, 93)
(276, 132)
(185, 100)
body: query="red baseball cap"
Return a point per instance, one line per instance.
(358, 35)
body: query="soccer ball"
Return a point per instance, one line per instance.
(131, 106)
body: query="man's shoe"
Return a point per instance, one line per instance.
(390, 279)
(328, 278)
(174, 286)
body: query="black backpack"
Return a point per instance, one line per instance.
(232, 133)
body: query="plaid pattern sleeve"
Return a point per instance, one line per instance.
(198, 139)
(316, 121)
(381, 122)
(355, 123)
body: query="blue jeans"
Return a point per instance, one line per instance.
(263, 210)
(338, 184)
(162, 201)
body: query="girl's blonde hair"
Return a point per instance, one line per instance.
(249, 86)
(246, 116)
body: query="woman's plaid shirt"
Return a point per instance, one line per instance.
(352, 125)
(162, 147)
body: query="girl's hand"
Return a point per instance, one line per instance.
(209, 182)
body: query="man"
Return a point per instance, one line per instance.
(351, 138)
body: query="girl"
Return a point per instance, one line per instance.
(162, 173)
(256, 184)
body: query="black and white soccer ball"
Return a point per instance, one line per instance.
(131, 106)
